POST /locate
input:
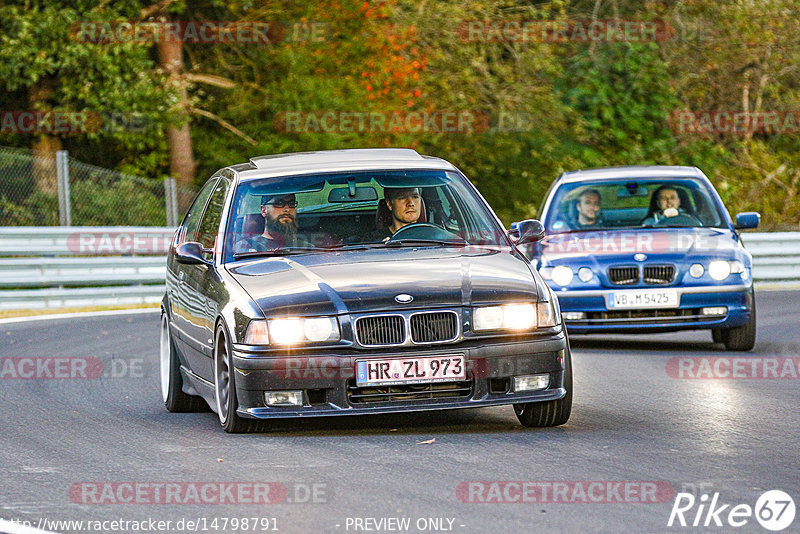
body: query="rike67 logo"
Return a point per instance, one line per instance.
(774, 510)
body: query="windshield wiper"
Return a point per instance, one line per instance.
(401, 242)
(280, 251)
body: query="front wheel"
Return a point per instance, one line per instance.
(225, 388)
(742, 338)
(175, 400)
(551, 413)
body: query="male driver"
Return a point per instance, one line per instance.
(400, 206)
(588, 206)
(280, 225)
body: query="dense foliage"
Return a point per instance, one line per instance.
(550, 104)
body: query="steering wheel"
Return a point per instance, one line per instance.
(424, 231)
(682, 219)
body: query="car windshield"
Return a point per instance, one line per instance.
(356, 210)
(632, 203)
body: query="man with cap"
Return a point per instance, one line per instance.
(280, 225)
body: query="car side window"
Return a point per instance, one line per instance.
(209, 225)
(192, 219)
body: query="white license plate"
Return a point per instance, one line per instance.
(643, 298)
(396, 371)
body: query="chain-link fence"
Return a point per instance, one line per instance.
(45, 191)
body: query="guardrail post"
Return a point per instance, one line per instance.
(62, 174)
(171, 200)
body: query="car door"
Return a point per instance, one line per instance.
(183, 305)
(203, 284)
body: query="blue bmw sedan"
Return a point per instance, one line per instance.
(647, 249)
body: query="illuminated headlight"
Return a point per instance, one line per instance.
(719, 270)
(561, 275)
(585, 274)
(294, 330)
(696, 270)
(508, 317)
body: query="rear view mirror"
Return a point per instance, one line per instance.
(352, 194)
(191, 253)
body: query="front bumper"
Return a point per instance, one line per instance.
(327, 379)
(737, 298)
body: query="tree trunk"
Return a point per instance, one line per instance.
(179, 138)
(44, 146)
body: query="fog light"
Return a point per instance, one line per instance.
(714, 310)
(284, 398)
(531, 382)
(573, 316)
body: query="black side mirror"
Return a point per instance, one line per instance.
(530, 231)
(191, 253)
(747, 219)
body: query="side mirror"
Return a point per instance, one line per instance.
(747, 219)
(191, 253)
(530, 231)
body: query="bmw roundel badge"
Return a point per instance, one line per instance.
(402, 298)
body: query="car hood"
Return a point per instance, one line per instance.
(365, 281)
(609, 246)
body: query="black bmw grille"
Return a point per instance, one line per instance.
(659, 274)
(435, 326)
(625, 275)
(381, 330)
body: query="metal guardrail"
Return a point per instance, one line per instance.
(57, 267)
(126, 265)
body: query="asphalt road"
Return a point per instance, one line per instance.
(65, 443)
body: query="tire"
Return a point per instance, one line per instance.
(175, 400)
(225, 388)
(551, 413)
(718, 336)
(742, 338)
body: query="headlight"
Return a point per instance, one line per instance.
(561, 275)
(516, 316)
(585, 274)
(508, 317)
(696, 270)
(719, 270)
(294, 330)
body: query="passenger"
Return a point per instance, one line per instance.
(280, 226)
(664, 203)
(588, 208)
(399, 207)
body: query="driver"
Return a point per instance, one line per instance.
(280, 226)
(404, 206)
(669, 205)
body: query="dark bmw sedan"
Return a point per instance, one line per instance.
(356, 282)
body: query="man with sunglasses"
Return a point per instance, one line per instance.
(280, 226)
